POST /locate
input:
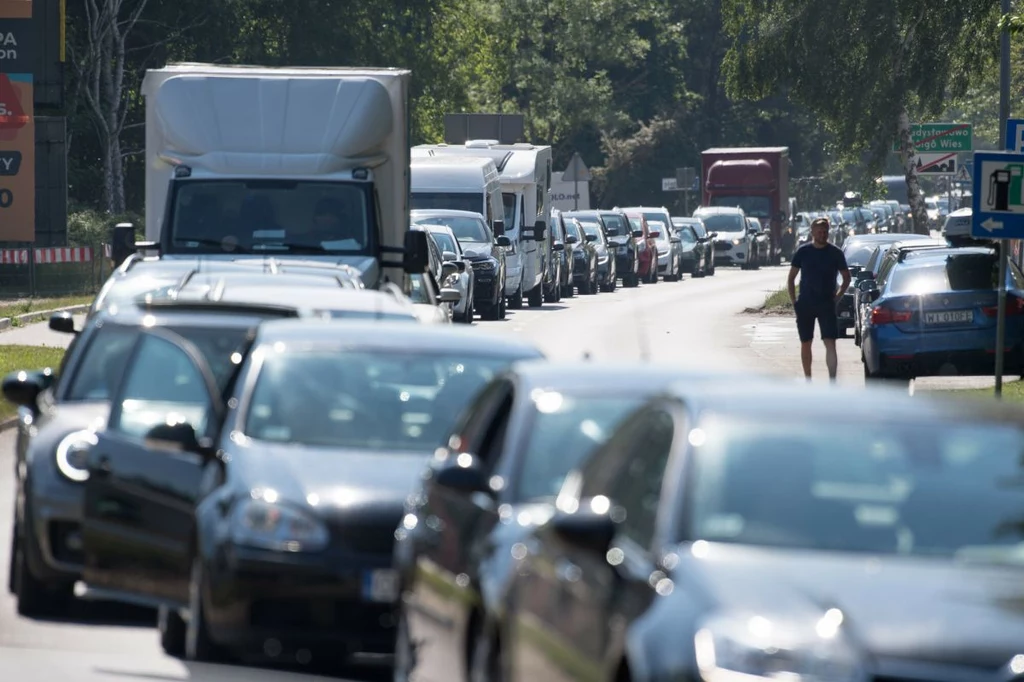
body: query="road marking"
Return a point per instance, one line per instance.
(764, 334)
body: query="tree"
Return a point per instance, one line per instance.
(99, 62)
(866, 68)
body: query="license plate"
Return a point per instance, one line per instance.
(381, 585)
(844, 314)
(949, 317)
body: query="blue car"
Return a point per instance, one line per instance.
(936, 315)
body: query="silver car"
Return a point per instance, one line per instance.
(451, 252)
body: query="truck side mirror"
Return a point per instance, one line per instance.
(416, 253)
(539, 230)
(503, 241)
(122, 243)
(498, 226)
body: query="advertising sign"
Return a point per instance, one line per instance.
(17, 127)
(564, 197)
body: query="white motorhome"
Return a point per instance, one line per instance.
(254, 161)
(525, 175)
(460, 183)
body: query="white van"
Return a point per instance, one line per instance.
(458, 183)
(525, 175)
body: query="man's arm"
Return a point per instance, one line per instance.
(844, 286)
(791, 283)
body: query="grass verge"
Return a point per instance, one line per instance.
(775, 303)
(1013, 392)
(31, 305)
(14, 358)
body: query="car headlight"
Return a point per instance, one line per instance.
(258, 523)
(72, 452)
(489, 264)
(748, 649)
(737, 242)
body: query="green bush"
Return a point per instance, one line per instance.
(89, 227)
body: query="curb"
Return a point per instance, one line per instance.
(8, 424)
(36, 316)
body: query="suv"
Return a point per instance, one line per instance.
(735, 243)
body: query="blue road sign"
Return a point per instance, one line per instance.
(1015, 135)
(998, 207)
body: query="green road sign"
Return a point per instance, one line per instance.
(940, 137)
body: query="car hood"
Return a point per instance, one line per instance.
(917, 609)
(472, 252)
(336, 478)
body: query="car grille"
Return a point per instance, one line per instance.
(722, 246)
(363, 537)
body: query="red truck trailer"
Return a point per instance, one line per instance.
(757, 180)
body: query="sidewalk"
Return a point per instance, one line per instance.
(772, 345)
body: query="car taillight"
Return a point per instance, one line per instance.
(882, 315)
(1014, 306)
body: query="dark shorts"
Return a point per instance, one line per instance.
(822, 313)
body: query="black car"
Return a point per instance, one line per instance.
(584, 257)
(562, 254)
(698, 254)
(708, 541)
(621, 240)
(261, 517)
(484, 251)
(454, 554)
(57, 421)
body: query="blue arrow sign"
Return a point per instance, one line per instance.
(1015, 135)
(998, 202)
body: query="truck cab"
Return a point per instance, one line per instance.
(255, 162)
(525, 177)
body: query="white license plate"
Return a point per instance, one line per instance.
(845, 314)
(381, 585)
(949, 317)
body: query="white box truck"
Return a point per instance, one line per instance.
(525, 174)
(246, 161)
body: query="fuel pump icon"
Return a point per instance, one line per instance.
(999, 190)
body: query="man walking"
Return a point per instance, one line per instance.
(819, 264)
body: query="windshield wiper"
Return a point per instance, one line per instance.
(291, 246)
(206, 241)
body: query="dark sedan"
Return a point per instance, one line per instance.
(697, 252)
(264, 522)
(621, 239)
(482, 497)
(706, 541)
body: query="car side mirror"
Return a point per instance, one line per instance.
(539, 231)
(558, 246)
(463, 474)
(638, 233)
(415, 252)
(874, 295)
(449, 295)
(177, 437)
(499, 227)
(503, 241)
(714, 235)
(571, 239)
(655, 234)
(675, 240)
(587, 529)
(591, 237)
(461, 265)
(63, 322)
(752, 231)
(448, 269)
(449, 256)
(23, 387)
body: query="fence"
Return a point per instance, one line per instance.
(53, 271)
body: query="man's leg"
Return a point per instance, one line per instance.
(829, 323)
(805, 329)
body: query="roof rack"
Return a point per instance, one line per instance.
(218, 306)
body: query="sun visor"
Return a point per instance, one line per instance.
(292, 124)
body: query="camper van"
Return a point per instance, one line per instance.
(525, 177)
(458, 183)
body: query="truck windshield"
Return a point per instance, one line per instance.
(451, 201)
(508, 200)
(301, 216)
(757, 207)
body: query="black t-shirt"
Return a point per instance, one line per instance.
(819, 269)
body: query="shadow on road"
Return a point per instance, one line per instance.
(109, 614)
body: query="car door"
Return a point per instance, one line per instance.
(141, 493)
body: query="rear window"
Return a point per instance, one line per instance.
(724, 222)
(958, 273)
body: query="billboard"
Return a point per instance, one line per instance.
(17, 126)
(563, 194)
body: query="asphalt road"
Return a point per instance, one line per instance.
(695, 324)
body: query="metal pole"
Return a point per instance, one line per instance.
(1004, 251)
(576, 195)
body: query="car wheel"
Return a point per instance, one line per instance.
(516, 301)
(36, 597)
(536, 296)
(172, 629)
(501, 308)
(198, 645)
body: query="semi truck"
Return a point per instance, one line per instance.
(755, 179)
(256, 162)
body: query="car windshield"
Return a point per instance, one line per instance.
(758, 207)
(508, 202)
(724, 222)
(572, 227)
(241, 216)
(593, 229)
(451, 201)
(858, 253)
(444, 241)
(951, 489)
(565, 429)
(110, 348)
(465, 229)
(615, 225)
(419, 290)
(686, 235)
(658, 226)
(377, 400)
(636, 223)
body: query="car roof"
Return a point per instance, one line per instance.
(713, 210)
(583, 377)
(891, 238)
(782, 399)
(443, 213)
(430, 227)
(211, 316)
(395, 336)
(303, 298)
